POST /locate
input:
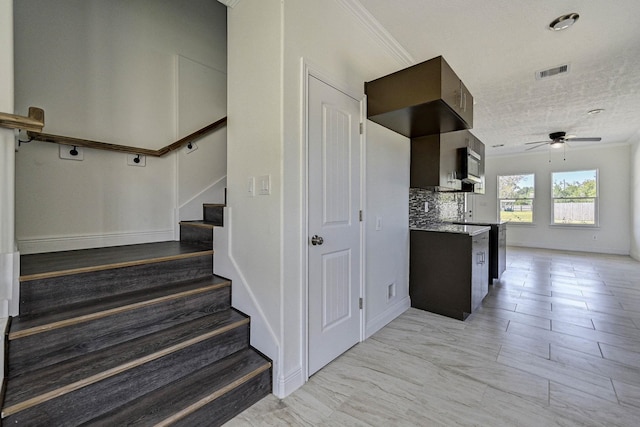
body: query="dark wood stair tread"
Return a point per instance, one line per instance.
(85, 312)
(198, 223)
(83, 370)
(189, 393)
(69, 262)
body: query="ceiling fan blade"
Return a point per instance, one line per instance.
(539, 145)
(536, 142)
(595, 139)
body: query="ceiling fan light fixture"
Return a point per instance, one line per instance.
(557, 144)
(563, 22)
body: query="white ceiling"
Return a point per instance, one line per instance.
(496, 46)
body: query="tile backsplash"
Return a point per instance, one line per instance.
(443, 206)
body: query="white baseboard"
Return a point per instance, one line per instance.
(598, 250)
(387, 316)
(4, 328)
(213, 193)
(263, 336)
(9, 284)
(289, 383)
(67, 243)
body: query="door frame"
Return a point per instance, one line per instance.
(308, 69)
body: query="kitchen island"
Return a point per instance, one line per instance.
(448, 268)
(497, 246)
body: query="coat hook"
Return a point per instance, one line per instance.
(137, 159)
(73, 151)
(189, 146)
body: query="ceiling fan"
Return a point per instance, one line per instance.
(557, 140)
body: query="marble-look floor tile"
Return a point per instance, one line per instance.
(627, 330)
(502, 366)
(586, 409)
(579, 362)
(569, 341)
(538, 322)
(628, 394)
(622, 355)
(585, 381)
(628, 343)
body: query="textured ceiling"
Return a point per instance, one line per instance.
(496, 46)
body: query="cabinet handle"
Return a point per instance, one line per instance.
(464, 97)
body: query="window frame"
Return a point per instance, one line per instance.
(532, 199)
(596, 201)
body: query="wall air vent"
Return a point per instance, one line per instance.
(555, 71)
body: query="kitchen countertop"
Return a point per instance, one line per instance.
(471, 230)
(473, 222)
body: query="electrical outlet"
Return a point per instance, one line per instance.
(136, 160)
(391, 291)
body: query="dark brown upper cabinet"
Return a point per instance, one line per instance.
(437, 164)
(477, 146)
(424, 99)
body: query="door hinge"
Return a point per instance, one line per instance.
(361, 128)
(360, 215)
(360, 303)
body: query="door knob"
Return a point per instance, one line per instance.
(317, 240)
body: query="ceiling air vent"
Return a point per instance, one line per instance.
(555, 71)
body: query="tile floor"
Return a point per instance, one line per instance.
(556, 342)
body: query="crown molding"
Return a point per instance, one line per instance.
(379, 33)
(229, 3)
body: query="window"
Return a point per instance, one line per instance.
(515, 198)
(575, 197)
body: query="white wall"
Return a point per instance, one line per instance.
(635, 197)
(387, 261)
(613, 233)
(126, 73)
(254, 148)
(9, 256)
(269, 41)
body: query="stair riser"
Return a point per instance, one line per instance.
(46, 348)
(81, 405)
(43, 295)
(230, 404)
(213, 214)
(196, 234)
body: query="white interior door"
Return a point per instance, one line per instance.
(334, 206)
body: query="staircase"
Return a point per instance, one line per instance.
(135, 335)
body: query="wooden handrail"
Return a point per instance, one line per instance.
(77, 142)
(34, 122)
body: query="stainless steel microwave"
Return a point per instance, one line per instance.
(469, 166)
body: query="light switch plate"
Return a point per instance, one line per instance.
(251, 186)
(264, 185)
(67, 150)
(378, 223)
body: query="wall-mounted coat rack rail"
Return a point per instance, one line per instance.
(77, 142)
(34, 122)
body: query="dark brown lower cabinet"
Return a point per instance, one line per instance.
(497, 247)
(448, 272)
